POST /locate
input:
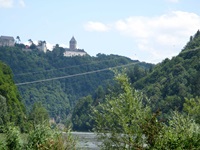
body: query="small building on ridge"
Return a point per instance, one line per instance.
(73, 50)
(7, 41)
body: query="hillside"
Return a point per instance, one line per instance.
(173, 80)
(167, 85)
(79, 76)
(11, 107)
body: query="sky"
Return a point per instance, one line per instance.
(144, 30)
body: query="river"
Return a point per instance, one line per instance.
(86, 140)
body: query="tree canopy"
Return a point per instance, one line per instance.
(12, 108)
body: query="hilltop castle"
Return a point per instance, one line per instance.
(69, 52)
(10, 41)
(72, 50)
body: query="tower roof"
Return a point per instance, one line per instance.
(73, 39)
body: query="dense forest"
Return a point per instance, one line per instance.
(62, 81)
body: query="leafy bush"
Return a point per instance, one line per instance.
(181, 133)
(192, 107)
(2, 146)
(43, 137)
(13, 140)
(124, 122)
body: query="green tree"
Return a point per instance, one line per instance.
(192, 107)
(38, 115)
(181, 133)
(13, 139)
(99, 95)
(32, 45)
(18, 39)
(3, 111)
(118, 121)
(81, 115)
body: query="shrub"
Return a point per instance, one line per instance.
(2, 145)
(181, 133)
(13, 140)
(43, 137)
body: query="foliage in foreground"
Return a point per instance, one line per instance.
(41, 138)
(45, 138)
(13, 140)
(181, 133)
(124, 122)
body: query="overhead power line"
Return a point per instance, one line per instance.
(75, 75)
(67, 67)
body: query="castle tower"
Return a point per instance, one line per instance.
(72, 44)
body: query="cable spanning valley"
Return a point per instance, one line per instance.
(68, 67)
(75, 75)
(78, 74)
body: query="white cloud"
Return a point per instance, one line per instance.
(162, 36)
(50, 46)
(157, 37)
(22, 3)
(133, 26)
(6, 3)
(11, 3)
(96, 26)
(64, 45)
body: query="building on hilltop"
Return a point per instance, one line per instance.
(41, 47)
(72, 50)
(7, 41)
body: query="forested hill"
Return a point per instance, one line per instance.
(172, 81)
(79, 76)
(11, 107)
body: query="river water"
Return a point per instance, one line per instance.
(86, 140)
